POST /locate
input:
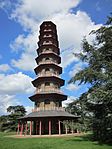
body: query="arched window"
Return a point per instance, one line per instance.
(47, 83)
(47, 59)
(47, 70)
(56, 85)
(39, 86)
(47, 49)
(47, 101)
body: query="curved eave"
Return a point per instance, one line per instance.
(47, 22)
(50, 114)
(48, 79)
(54, 36)
(53, 39)
(41, 96)
(52, 65)
(48, 46)
(45, 55)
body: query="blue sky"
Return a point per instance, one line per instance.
(19, 30)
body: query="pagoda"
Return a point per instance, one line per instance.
(48, 114)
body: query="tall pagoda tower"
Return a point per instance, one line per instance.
(48, 82)
(48, 115)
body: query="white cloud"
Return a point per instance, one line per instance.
(69, 100)
(6, 101)
(28, 46)
(67, 58)
(72, 87)
(4, 4)
(25, 43)
(11, 100)
(29, 109)
(71, 30)
(15, 84)
(26, 62)
(76, 68)
(5, 67)
(28, 12)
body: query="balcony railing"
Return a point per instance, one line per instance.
(46, 30)
(47, 36)
(47, 62)
(48, 75)
(48, 51)
(48, 108)
(48, 90)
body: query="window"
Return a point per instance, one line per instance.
(47, 70)
(57, 104)
(47, 59)
(39, 86)
(47, 83)
(47, 101)
(47, 49)
(56, 85)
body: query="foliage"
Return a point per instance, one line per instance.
(78, 107)
(9, 122)
(98, 73)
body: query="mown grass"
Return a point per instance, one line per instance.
(49, 143)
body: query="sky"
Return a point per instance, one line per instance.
(19, 31)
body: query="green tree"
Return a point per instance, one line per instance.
(78, 107)
(98, 73)
(9, 122)
(19, 110)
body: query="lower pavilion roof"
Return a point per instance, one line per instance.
(49, 114)
(52, 95)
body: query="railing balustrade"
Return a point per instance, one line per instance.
(48, 74)
(48, 90)
(48, 109)
(47, 62)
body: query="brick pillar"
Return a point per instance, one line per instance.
(49, 127)
(59, 123)
(40, 128)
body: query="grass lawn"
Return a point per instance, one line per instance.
(70, 142)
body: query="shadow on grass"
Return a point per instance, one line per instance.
(88, 137)
(85, 137)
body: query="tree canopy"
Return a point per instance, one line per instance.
(9, 122)
(98, 73)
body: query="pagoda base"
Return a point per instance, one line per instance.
(46, 123)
